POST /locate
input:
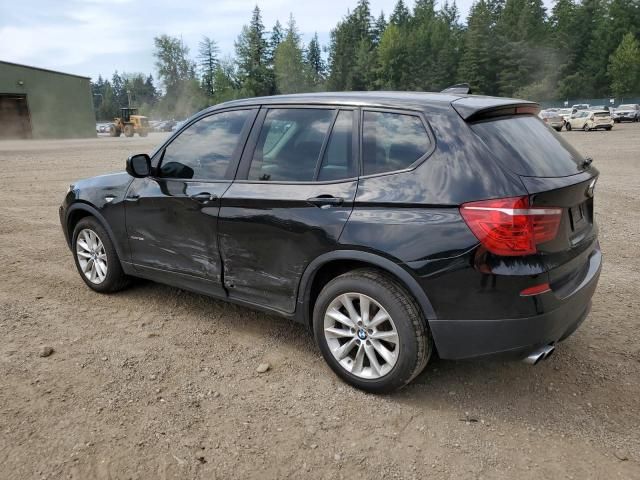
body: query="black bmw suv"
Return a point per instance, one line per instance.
(393, 225)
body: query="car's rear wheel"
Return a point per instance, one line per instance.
(568, 127)
(96, 258)
(371, 331)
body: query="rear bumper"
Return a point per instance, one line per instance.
(461, 339)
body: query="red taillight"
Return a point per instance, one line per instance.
(508, 226)
(535, 290)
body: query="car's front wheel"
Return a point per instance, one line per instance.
(96, 258)
(568, 127)
(371, 331)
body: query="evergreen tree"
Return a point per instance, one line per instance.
(277, 35)
(352, 53)
(314, 60)
(400, 15)
(252, 51)
(207, 62)
(478, 60)
(293, 75)
(624, 67)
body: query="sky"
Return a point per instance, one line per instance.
(92, 37)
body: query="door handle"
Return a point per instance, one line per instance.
(134, 197)
(203, 197)
(326, 201)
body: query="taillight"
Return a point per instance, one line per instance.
(509, 226)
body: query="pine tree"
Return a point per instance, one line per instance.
(477, 66)
(252, 51)
(207, 62)
(400, 15)
(624, 67)
(277, 35)
(292, 73)
(314, 60)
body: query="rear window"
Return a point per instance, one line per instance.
(526, 146)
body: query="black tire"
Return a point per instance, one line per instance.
(568, 127)
(113, 131)
(608, 128)
(557, 129)
(586, 128)
(415, 342)
(115, 278)
(128, 131)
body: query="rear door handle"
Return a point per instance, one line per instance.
(203, 197)
(326, 201)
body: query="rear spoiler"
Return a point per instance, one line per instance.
(477, 108)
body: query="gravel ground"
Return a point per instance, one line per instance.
(155, 382)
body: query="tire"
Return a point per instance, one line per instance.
(115, 279)
(557, 129)
(128, 131)
(113, 131)
(608, 129)
(413, 342)
(568, 127)
(585, 127)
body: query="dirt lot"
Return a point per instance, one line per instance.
(159, 383)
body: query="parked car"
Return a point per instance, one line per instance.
(580, 106)
(391, 224)
(565, 113)
(553, 119)
(590, 120)
(629, 112)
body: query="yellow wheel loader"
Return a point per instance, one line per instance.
(129, 123)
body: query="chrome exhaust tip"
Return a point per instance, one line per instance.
(539, 354)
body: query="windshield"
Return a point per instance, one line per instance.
(626, 107)
(526, 146)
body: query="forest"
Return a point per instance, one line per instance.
(514, 48)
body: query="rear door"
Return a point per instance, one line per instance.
(290, 201)
(172, 216)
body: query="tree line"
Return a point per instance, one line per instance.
(578, 49)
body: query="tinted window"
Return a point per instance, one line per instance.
(337, 161)
(392, 141)
(289, 145)
(524, 145)
(205, 148)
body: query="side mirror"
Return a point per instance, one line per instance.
(139, 166)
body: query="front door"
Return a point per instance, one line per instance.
(172, 216)
(294, 192)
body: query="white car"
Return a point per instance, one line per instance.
(565, 113)
(590, 120)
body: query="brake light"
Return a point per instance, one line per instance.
(509, 227)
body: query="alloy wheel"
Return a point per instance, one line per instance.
(92, 256)
(361, 335)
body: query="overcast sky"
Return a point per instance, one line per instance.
(91, 37)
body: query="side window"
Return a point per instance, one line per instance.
(205, 148)
(337, 161)
(289, 145)
(392, 141)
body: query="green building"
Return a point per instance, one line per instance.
(40, 103)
